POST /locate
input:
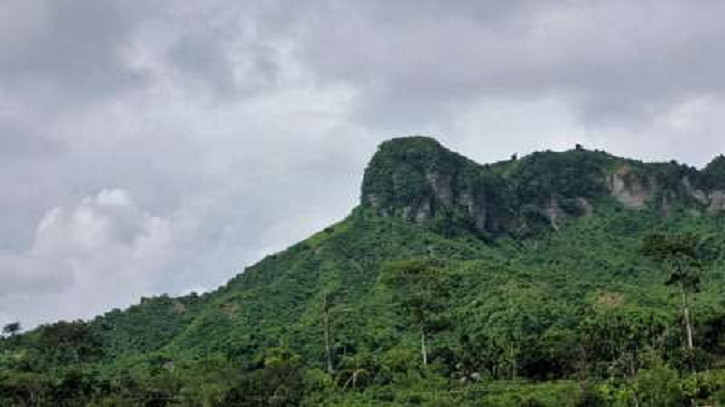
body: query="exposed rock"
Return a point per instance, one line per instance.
(441, 184)
(554, 212)
(630, 190)
(586, 207)
(418, 179)
(717, 203)
(697, 194)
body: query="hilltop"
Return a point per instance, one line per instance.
(525, 280)
(417, 178)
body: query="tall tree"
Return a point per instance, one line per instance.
(683, 256)
(421, 289)
(12, 328)
(329, 300)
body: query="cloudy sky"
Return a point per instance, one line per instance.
(162, 146)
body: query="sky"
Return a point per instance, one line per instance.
(163, 146)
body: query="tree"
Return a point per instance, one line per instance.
(281, 382)
(329, 300)
(620, 341)
(355, 377)
(682, 255)
(12, 329)
(69, 343)
(420, 287)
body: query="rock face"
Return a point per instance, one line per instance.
(418, 179)
(716, 203)
(631, 191)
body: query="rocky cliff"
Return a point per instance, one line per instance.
(416, 178)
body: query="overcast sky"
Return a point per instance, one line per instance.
(162, 146)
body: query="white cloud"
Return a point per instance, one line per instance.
(104, 251)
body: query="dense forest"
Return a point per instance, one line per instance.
(570, 278)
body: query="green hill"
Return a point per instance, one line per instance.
(523, 282)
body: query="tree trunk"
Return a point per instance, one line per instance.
(423, 349)
(633, 377)
(328, 345)
(686, 317)
(513, 363)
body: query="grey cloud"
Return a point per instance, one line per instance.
(237, 128)
(614, 60)
(19, 142)
(31, 276)
(70, 48)
(229, 69)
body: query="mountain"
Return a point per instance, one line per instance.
(451, 283)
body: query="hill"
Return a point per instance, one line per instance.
(452, 283)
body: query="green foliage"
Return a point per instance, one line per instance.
(420, 286)
(714, 173)
(573, 174)
(66, 343)
(163, 318)
(659, 386)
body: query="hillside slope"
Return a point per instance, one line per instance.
(542, 294)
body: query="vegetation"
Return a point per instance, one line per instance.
(620, 307)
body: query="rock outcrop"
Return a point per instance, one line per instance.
(418, 179)
(631, 191)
